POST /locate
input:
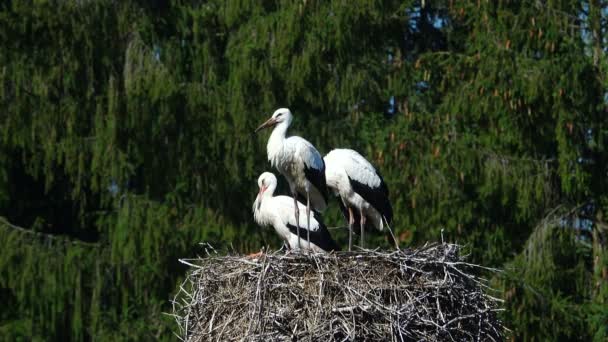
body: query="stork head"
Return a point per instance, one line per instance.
(281, 115)
(267, 182)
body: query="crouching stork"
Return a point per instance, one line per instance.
(277, 211)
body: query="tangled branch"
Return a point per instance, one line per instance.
(428, 294)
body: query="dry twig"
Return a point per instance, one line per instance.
(424, 294)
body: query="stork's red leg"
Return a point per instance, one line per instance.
(363, 219)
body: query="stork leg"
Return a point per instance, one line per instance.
(351, 223)
(363, 219)
(308, 220)
(297, 212)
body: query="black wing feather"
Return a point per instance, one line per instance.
(319, 237)
(301, 198)
(377, 197)
(344, 209)
(317, 178)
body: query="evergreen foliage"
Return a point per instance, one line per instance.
(127, 139)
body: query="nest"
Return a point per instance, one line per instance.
(425, 294)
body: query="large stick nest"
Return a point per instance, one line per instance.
(425, 294)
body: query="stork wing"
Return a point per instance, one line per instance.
(369, 184)
(319, 235)
(314, 166)
(317, 178)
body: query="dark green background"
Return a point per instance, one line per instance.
(127, 140)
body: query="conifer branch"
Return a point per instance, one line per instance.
(6, 225)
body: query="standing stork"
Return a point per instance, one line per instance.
(276, 211)
(299, 162)
(362, 191)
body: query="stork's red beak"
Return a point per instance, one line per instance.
(259, 199)
(269, 123)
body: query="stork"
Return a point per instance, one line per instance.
(362, 191)
(276, 211)
(299, 162)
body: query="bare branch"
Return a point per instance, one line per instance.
(424, 294)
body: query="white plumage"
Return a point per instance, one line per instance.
(277, 211)
(363, 193)
(298, 161)
(292, 156)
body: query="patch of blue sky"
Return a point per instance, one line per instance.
(113, 188)
(156, 52)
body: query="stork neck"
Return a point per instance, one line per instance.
(270, 191)
(280, 131)
(276, 140)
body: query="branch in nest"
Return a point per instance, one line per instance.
(429, 293)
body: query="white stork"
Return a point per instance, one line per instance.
(363, 193)
(299, 162)
(276, 211)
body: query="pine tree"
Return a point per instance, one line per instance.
(127, 140)
(522, 101)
